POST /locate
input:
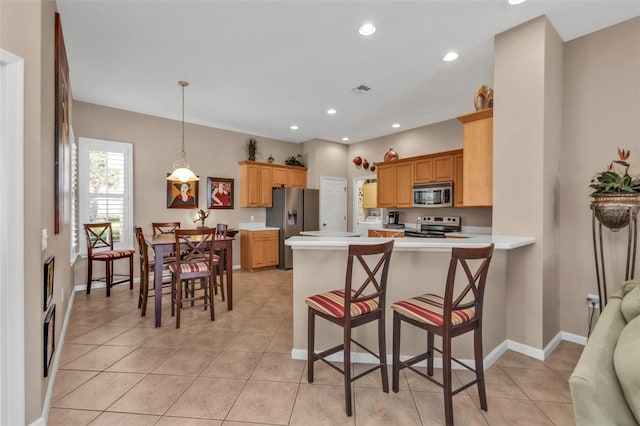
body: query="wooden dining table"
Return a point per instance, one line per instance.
(165, 243)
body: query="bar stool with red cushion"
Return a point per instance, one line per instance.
(353, 307)
(197, 264)
(100, 248)
(448, 317)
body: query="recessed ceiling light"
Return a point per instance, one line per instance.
(367, 29)
(331, 111)
(345, 139)
(514, 2)
(451, 56)
(395, 125)
(294, 127)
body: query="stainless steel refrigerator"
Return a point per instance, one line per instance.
(293, 210)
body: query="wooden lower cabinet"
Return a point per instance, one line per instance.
(258, 249)
(386, 234)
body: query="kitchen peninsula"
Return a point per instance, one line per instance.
(418, 266)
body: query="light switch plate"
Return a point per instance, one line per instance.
(45, 236)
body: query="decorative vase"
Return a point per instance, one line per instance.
(270, 160)
(614, 210)
(391, 155)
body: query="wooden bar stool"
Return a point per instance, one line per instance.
(448, 317)
(352, 308)
(100, 248)
(146, 267)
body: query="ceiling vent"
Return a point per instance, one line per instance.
(361, 89)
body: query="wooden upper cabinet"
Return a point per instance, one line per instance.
(478, 158)
(443, 168)
(370, 195)
(297, 178)
(266, 183)
(257, 180)
(395, 184)
(404, 184)
(280, 176)
(458, 176)
(386, 186)
(423, 170)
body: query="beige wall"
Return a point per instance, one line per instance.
(324, 158)
(27, 30)
(601, 111)
(527, 70)
(156, 141)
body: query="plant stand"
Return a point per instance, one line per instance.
(632, 243)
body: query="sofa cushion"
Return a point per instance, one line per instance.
(630, 305)
(626, 359)
(628, 286)
(597, 396)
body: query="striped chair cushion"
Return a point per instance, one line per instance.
(332, 303)
(188, 267)
(110, 254)
(429, 309)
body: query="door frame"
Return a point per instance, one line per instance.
(12, 303)
(354, 200)
(346, 199)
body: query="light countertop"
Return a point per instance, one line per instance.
(329, 234)
(502, 242)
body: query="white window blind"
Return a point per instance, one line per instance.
(75, 238)
(106, 188)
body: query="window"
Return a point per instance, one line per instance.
(106, 188)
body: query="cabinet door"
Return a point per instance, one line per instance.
(404, 185)
(266, 183)
(370, 195)
(386, 186)
(250, 185)
(271, 251)
(478, 162)
(423, 170)
(458, 191)
(443, 169)
(298, 178)
(280, 177)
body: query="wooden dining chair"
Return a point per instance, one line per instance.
(164, 227)
(147, 286)
(456, 313)
(198, 264)
(221, 231)
(100, 248)
(352, 307)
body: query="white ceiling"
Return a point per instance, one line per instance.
(260, 66)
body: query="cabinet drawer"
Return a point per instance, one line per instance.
(265, 235)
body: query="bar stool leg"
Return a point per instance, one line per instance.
(446, 380)
(395, 384)
(131, 272)
(430, 353)
(89, 268)
(382, 352)
(482, 394)
(109, 279)
(311, 326)
(347, 369)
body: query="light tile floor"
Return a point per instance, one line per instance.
(117, 369)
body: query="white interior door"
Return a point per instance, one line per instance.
(333, 204)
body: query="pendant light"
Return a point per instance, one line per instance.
(181, 171)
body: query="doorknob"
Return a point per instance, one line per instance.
(324, 224)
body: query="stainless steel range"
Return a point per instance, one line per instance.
(436, 227)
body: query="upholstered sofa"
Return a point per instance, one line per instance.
(605, 385)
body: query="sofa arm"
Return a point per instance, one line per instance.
(596, 393)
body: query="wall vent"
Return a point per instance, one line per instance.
(361, 89)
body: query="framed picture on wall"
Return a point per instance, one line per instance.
(62, 185)
(47, 290)
(219, 193)
(49, 338)
(182, 195)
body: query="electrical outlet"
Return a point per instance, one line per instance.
(593, 301)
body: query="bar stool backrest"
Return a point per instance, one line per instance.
(99, 236)
(164, 227)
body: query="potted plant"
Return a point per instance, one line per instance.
(294, 161)
(252, 147)
(616, 194)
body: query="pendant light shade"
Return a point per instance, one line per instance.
(182, 172)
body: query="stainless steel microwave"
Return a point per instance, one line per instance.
(433, 195)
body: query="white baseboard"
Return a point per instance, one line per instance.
(42, 420)
(489, 359)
